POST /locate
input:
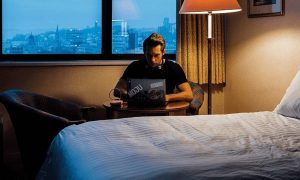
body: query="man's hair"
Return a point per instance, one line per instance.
(153, 40)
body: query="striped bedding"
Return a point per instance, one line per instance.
(260, 145)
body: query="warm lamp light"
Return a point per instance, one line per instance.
(209, 7)
(212, 6)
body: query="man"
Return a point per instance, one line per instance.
(154, 66)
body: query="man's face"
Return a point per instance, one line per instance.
(154, 56)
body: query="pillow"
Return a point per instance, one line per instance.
(290, 103)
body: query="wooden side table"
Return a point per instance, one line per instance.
(177, 108)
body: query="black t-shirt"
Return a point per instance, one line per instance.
(171, 71)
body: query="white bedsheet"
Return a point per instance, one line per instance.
(234, 146)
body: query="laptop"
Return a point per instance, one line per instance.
(146, 92)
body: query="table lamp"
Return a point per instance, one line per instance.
(209, 7)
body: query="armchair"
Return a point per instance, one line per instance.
(36, 120)
(198, 98)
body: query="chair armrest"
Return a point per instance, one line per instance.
(58, 121)
(66, 109)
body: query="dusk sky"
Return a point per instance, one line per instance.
(23, 16)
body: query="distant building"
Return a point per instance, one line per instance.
(30, 47)
(132, 42)
(57, 41)
(120, 36)
(168, 30)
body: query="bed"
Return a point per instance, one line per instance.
(257, 145)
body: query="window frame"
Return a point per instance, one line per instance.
(106, 50)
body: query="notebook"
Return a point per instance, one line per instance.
(146, 92)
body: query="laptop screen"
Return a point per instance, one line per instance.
(146, 92)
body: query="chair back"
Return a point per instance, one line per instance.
(37, 119)
(198, 98)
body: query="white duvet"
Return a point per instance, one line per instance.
(262, 145)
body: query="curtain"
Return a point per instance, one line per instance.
(192, 47)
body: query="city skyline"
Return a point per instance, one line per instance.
(37, 16)
(88, 40)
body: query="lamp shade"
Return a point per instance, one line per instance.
(209, 6)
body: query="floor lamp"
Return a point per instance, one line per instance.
(209, 7)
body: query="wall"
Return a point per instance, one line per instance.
(263, 55)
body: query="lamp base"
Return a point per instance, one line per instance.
(209, 85)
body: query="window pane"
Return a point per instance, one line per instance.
(51, 26)
(135, 20)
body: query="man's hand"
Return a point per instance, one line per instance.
(185, 93)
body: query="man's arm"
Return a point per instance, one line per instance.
(121, 89)
(185, 93)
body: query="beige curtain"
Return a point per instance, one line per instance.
(192, 47)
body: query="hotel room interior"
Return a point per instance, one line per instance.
(261, 59)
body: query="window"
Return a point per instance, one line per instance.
(51, 27)
(83, 30)
(135, 20)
